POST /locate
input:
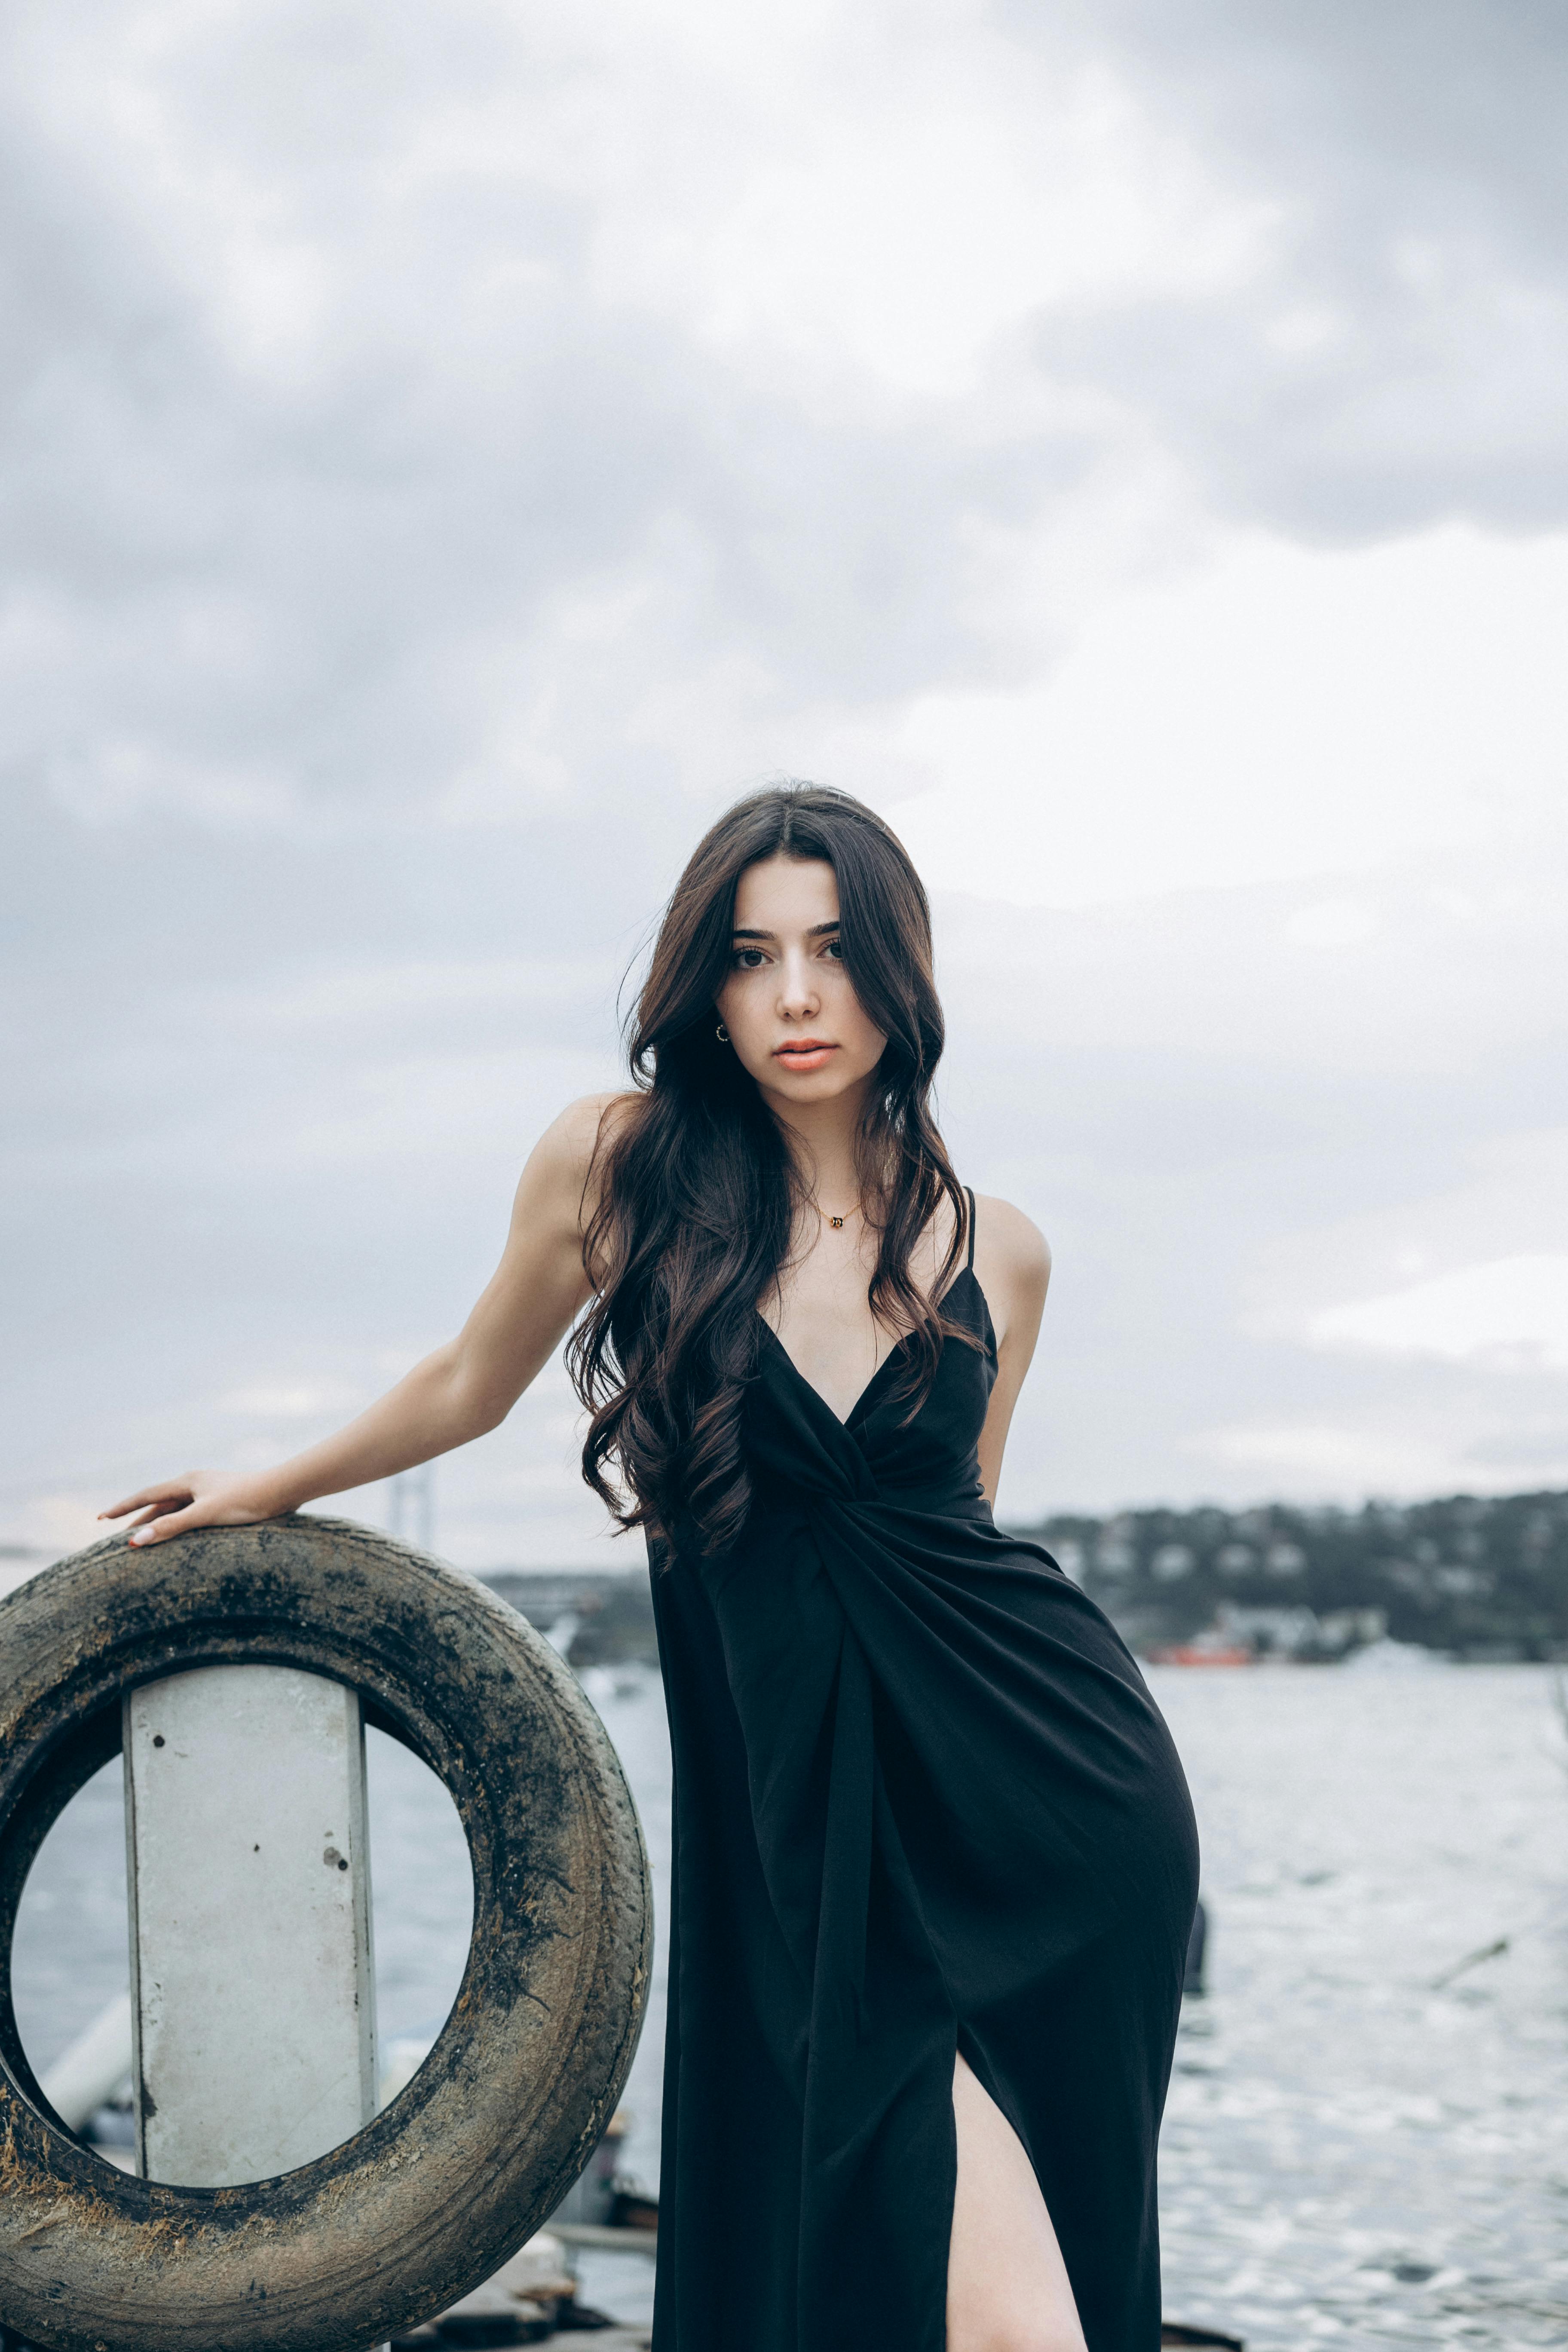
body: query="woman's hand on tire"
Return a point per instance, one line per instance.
(201, 1498)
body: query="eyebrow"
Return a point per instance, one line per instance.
(817, 931)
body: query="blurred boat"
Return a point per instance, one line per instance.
(1200, 1653)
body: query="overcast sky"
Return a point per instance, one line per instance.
(449, 452)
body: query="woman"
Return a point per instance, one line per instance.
(934, 1862)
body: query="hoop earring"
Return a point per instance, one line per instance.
(722, 1034)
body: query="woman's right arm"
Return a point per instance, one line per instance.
(465, 1388)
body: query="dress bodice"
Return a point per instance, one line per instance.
(795, 1441)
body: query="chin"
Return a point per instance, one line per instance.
(816, 1085)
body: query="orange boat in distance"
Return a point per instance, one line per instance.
(1200, 1653)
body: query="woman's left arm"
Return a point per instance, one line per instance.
(1013, 1264)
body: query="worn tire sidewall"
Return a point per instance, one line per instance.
(435, 2193)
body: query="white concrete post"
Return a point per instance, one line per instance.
(248, 1874)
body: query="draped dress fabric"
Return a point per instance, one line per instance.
(923, 1803)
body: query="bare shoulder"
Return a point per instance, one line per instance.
(577, 1133)
(562, 1163)
(1011, 1239)
(1012, 1262)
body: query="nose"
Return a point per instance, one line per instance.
(799, 997)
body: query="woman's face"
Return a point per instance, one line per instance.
(794, 1021)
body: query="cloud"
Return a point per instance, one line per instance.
(373, 480)
(449, 453)
(1324, 1459)
(1510, 1313)
(1394, 363)
(1281, 711)
(411, 405)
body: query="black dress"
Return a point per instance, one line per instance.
(924, 1802)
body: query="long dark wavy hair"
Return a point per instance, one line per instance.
(698, 1193)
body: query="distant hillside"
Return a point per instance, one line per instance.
(1477, 1577)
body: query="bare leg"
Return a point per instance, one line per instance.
(1007, 2288)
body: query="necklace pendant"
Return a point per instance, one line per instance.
(836, 1224)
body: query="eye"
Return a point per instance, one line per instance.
(835, 947)
(747, 958)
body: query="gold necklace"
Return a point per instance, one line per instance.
(836, 1222)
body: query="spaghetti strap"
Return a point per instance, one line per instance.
(969, 1197)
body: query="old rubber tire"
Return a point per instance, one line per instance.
(433, 2194)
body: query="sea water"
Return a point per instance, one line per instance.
(1366, 2141)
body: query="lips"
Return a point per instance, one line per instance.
(804, 1053)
